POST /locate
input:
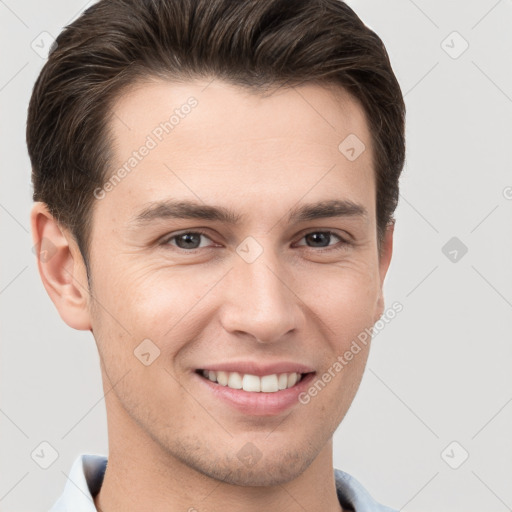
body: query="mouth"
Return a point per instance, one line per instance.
(271, 383)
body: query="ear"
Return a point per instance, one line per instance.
(61, 267)
(385, 254)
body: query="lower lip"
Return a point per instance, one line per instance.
(258, 403)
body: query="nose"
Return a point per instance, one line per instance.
(258, 300)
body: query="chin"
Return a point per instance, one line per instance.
(270, 470)
(263, 476)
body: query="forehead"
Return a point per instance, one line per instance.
(211, 140)
(236, 111)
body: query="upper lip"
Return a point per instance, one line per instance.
(259, 368)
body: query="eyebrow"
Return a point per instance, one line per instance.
(176, 209)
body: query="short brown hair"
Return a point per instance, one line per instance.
(251, 43)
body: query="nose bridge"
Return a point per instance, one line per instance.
(261, 304)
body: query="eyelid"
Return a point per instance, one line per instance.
(198, 231)
(328, 231)
(343, 241)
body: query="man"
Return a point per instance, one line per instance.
(215, 184)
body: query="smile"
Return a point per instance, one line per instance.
(253, 383)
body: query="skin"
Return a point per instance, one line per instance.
(172, 446)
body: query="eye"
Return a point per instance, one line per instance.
(187, 240)
(321, 239)
(191, 240)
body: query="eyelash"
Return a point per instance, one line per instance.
(344, 242)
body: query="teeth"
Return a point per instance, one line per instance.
(234, 380)
(292, 379)
(282, 381)
(222, 378)
(269, 383)
(253, 383)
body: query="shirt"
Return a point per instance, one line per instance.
(87, 472)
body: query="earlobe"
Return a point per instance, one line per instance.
(384, 260)
(61, 267)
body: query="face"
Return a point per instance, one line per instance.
(242, 240)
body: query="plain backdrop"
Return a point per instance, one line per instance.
(430, 428)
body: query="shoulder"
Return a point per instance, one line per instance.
(82, 484)
(351, 493)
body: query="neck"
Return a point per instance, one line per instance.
(144, 473)
(141, 475)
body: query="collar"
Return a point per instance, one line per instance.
(87, 472)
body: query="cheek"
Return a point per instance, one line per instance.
(343, 296)
(168, 306)
(171, 305)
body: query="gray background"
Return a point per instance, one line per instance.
(439, 372)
